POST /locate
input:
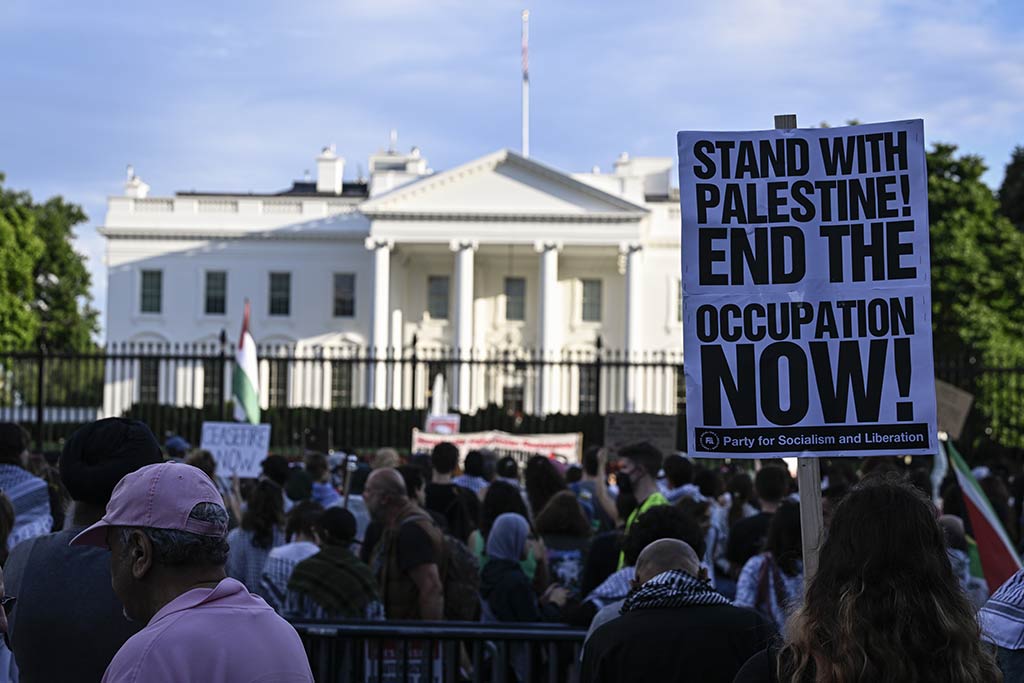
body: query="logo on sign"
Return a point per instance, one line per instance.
(708, 441)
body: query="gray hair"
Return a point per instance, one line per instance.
(174, 548)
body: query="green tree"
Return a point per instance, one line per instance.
(60, 295)
(20, 248)
(977, 283)
(1011, 192)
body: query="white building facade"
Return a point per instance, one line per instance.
(500, 258)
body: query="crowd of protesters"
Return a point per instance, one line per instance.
(126, 556)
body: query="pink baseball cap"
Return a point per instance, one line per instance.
(159, 496)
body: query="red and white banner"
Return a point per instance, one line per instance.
(565, 447)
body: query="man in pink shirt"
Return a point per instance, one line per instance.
(165, 526)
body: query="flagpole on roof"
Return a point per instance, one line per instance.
(526, 82)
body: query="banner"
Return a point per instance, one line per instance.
(807, 300)
(238, 448)
(522, 447)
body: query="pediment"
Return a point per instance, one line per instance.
(501, 184)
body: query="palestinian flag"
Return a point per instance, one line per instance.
(998, 557)
(245, 384)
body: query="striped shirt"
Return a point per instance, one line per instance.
(30, 498)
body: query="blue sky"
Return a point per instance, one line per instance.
(241, 96)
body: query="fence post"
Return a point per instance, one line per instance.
(223, 380)
(415, 374)
(40, 396)
(597, 373)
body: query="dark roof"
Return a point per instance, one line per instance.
(299, 188)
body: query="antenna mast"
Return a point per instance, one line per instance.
(526, 83)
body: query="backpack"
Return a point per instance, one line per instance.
(460, 577)
(461, 582)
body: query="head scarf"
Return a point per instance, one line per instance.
(98, 454)
(673, 588)
(508, 537)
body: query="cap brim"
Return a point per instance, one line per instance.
(96, 535)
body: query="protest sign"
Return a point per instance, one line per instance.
(238, 448)
(443, 424)
(522, 447)
(953, 406)
(623, 429)
(807, 301)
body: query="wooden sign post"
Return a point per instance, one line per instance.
(808, 468)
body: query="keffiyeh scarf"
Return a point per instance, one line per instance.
(673, 588)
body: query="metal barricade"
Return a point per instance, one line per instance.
(440, 652)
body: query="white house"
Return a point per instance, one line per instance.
(502, 255)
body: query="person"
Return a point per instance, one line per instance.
(165, 527)
(675, 626)
(319, 471)
(884, 604)
(641, 463)
(678, 478)
(565, 531)
(507, 470)
(37, 464)
(473, 477)
(275, 468)
(29, 495)
(661, 521)
(747, 536)
(261, 530)
(772, 582)
(333, 583)
(385, 457)
(460, 507)
(502, 497)
(592, 490)
(960, 561)
(408, 559)
(177, 448)
(301, 541)
(6, 524)
(205, 461)
(505, 591)
(66, 603)
(543, 481)
(1002, 623)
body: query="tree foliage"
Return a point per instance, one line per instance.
(20, 248)
(55, 299)
(977, 284)
(1011, 192)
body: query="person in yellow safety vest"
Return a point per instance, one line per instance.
(641, 463)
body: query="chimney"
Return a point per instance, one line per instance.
(329, 171)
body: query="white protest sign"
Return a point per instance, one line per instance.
(566, 447)
(807, 300)
(237, 447)
(623, 429)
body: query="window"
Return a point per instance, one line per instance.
(679, 308)
(216, 292)
(278, 389)
(344, 295)
(213, 383)
(341, 384)
(152, 291)
(149, 380)
(591, 312)
(280, 293)
(437, 297)
(515, 298)
(589, 389)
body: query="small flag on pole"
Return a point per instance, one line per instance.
(245, 386)
(999, 560)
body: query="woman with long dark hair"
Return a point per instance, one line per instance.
(262, 529)
(772, 582)
(565, 530)
(543, 481)
(884, 604)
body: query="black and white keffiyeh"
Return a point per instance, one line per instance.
(673, 588)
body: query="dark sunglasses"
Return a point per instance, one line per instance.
(7, 603)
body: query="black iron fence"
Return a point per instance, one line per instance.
(441, 652)
(353, 397)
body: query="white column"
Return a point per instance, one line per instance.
(381, 304)
(463, 320)
(631, 252)
(549, 339)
